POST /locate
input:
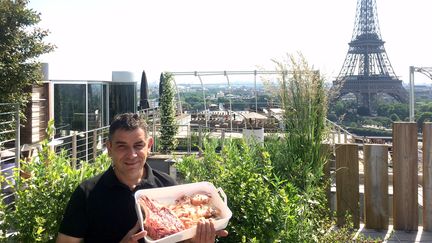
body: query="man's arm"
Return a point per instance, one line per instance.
(62, 238)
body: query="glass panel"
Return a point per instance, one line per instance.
(105, 105)
(95, 108)
(69, 108)
(122, 99)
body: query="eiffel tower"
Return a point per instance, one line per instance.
(367, 71)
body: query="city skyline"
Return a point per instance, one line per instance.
(97, 37)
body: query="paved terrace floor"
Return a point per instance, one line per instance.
(395, 235)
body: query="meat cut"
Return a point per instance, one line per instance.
(161, 220)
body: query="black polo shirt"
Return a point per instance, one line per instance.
(102, 209)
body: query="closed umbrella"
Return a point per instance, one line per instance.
(144, 104)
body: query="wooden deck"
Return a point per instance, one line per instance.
(391, 235)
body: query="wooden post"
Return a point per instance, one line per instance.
(94, 145)
(405, 176)
(427, 176)
(347, 183)
(74, 150)
(376, 186)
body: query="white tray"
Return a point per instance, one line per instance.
(168, 195)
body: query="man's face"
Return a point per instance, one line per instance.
(129, 150)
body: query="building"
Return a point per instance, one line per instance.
(78, 105)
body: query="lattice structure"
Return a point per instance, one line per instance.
(367, 70)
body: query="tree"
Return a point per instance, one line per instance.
(167, 113)
(363, 111)
(21, 43)
(424, 117)
(394, 117)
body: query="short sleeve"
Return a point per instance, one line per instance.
(74, 221)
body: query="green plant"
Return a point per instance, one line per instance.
(265, 207)
(245, 174)
(298, 156)
(169, 127)
(21, 43)
(41, 198)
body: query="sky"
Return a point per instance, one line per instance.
(96, 37)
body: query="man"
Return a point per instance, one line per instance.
(102, 209)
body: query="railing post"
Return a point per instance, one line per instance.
(427, 176)
(94, 144)
(154, 132)
(325, 151)
(17, 137)
(376, 186)
(200, 142)
(405, 176)
(347, 183)
(74, 150)
(189, 140)
(222, 138)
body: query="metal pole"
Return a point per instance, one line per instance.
(17, 137)
(230, 103)
(204, 98)
(200, 142)
(86, 123)
(411, 93)
(256, 94)
(74, 150)
(189, 139)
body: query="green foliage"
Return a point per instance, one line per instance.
(258, 200)
(344, 109)
(387, 109)
(394, 117)
(266, 207)
(360, 131)
(167, 112)
(424, 106)
(192, 101)
(363, 111)
(424, 117)
(298, 156)
(21, 43)
(42, 195)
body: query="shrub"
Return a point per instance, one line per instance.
(40, 200)
(265, 207)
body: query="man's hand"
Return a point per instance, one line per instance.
(132, 236)
(206, 232)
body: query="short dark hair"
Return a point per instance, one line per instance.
(128, 122)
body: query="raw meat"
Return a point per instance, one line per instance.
(186, 212)
(159, 220)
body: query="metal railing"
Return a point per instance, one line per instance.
(9, 145)
(337, 132)
(82, 146)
